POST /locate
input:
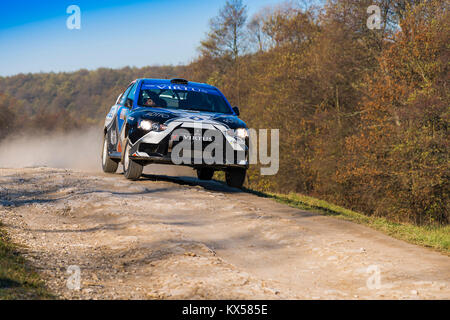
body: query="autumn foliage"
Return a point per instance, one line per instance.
(363, 114)
(399, 154)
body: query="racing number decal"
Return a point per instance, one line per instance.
(122, 113)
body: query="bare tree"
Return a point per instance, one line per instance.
(255, 29)
(227, 33)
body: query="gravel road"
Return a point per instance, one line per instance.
(169, 237)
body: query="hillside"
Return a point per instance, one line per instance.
(363, 114)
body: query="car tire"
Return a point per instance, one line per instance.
(131, 169)
(235, 177)
(205, 173)
(108, 164)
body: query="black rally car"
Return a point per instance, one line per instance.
(175, 122)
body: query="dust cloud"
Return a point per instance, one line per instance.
(79, 149)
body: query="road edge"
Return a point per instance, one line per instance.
(436, 238)
(18, 279)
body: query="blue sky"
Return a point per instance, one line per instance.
(113, 34)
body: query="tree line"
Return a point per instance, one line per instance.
(363, 113)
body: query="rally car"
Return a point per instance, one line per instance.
(175, 122)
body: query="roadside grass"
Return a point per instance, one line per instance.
(18, 281)
(435, 237)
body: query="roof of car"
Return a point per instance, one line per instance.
(168, 82)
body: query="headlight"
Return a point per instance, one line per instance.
(242, 133)
(145, 125)
(148, 125)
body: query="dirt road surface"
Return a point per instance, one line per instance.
(178, 238)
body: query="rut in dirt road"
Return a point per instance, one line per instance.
(177, 238)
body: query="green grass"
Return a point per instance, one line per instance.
(437, 237)
(17, 278)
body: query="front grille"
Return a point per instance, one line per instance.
(195, 147)
(195, 135)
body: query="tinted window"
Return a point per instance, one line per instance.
(180, 97)
(125, 95)
(132, 92)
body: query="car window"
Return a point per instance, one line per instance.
(132, 92)
(182, 98)
(125, 94)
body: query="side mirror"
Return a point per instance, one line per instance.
(236, 110)
(129, 103)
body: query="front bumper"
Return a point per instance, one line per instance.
(158, 147)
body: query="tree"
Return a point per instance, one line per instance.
(255, 31)
(226, 37)
(8, 107)
(363, 114)
(398, 159)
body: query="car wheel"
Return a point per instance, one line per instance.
(235, 177)
(205, 173)
(108, 165)
(131, 169)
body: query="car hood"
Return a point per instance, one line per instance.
(167, 115)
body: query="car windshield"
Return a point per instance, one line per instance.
(182, 97)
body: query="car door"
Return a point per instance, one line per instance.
(123, 111)
(114, 123)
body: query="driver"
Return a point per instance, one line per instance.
(153, 100)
